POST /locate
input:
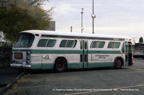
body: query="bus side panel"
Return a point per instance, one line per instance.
(48, 61)
(35, 61)
(45, 59)
(42, 61)
(102, 58)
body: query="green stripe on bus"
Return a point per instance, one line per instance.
(73, 65)
(56, 51)
(35, 66)
(71, 51)
(42, 66)
(47, 66)
(107, 64)
(90, 65)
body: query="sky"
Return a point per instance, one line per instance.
(114, 17)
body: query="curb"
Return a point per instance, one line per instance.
(11, 84)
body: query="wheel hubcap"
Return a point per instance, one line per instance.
(60, 66)
(118, 63)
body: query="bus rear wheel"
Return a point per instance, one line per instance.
(60, 65)
(118, 63)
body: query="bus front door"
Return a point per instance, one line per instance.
(84, 54)
(128, 50)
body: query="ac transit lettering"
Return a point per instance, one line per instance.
(102, 56)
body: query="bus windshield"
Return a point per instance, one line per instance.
(24, 40)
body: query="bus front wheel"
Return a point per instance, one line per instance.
(118, 63)
(60, 65)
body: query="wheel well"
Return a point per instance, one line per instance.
(61, 58)
(120, 59)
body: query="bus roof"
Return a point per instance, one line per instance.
(45, 33)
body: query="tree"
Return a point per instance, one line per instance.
(25, 15)
(141, 40)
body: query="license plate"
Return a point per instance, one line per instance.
(18, 55)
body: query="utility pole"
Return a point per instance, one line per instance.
(82, 20)
(70, 28)
(93, 16)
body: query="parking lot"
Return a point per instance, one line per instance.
(98, 81)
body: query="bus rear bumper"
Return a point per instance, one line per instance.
(20, 66)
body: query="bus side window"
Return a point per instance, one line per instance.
(114, 45)
(63, 43)
(68, 43)
(97, 44)
(42, 42)
(111, 45)
(51, 43)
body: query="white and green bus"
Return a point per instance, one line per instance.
(40, 49)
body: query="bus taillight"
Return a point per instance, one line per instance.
(18, 55)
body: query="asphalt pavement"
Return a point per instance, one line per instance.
(98, 81)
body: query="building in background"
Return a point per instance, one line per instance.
(52, 26)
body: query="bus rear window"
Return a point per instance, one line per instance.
(24, 40)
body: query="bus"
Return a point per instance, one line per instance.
(138, 50)
(44, 50)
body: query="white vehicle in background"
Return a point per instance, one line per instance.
(39, 49)
(138, 50)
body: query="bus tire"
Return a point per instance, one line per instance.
(118, 63)
(60, 65)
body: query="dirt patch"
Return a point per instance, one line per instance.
(14, 89)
